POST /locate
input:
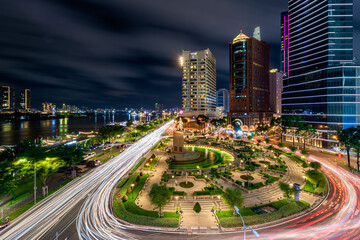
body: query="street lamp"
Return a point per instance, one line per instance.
(253, 231)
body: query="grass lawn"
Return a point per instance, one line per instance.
(132, 213)
(284, 209)
(213, 158)
(151, 164)
(23, 209)
(309, 187)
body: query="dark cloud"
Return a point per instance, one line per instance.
(122, 53)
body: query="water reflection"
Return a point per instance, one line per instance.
(14, 132)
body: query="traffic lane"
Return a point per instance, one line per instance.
(66, 226)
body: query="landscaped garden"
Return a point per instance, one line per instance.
(126, 208)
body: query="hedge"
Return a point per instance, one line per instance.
(137, 165)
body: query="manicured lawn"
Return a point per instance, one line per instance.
(213, 158)
(151, 164)
(285, 209)
(309, 187)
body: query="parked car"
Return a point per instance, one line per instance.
(92, 163)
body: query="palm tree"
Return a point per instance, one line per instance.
(233, 198)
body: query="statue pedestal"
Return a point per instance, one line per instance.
(178, 142)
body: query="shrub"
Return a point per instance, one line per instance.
(129, 189)
(138, 178)
(186, 185)
(141, 174)
(124, 198)
(197, 207)
(247, 177)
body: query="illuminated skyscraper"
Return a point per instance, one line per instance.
(249, 80)
(323, 85)
(198, 83)
(222, 99)
(7, 99)
(284, 56)
(25, 100)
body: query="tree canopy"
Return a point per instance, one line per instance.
(159, 195)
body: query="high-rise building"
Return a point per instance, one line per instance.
(7, 99)
(198, 83)
(284, 56)
(276, 88)
(159, 107)
(48, 107)
(323, 84)
(222, 99)
(25, 100)
(249, 80)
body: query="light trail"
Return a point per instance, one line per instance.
(336, 219)
(40, 218)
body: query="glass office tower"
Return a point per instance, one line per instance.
(323, 84)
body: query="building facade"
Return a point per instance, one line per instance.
(222, 99)
(323, 84)
(198, 83)
(249, 80)
(285, 44)
(25, 100)
(276, 88)
(7, 99)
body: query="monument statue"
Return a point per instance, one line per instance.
(180, 125)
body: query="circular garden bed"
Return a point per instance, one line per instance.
(186, 185)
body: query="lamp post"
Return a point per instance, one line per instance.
(34, 181)
(253, 231)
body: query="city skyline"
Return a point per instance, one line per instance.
(92, 57)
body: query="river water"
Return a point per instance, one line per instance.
(12, 133)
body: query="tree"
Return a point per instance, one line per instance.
(197, 207)
(47, 167)
(313, 176)
(159, 195)
(306, 131)
(214, 173)
(267, 141)
(129, 123)
(277, 127)
(345, 137)
(262, 128)
(201, 120)
(233, 198)
(315, 165)
(292, 148)
(355, 143)
(287, 190)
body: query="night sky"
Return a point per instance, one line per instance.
(124, 53)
